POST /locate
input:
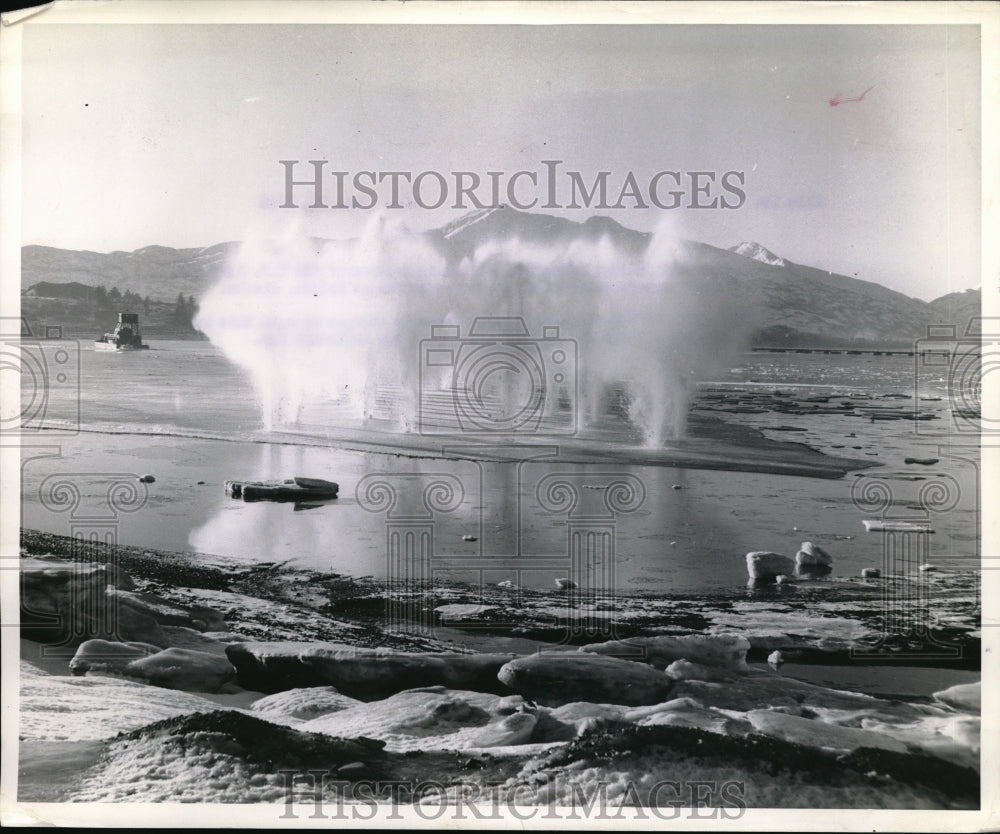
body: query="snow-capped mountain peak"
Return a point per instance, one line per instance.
(449, 230)
(749, 249)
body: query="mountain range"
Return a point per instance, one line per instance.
(796, 305)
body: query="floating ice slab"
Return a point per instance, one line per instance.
(878, 525)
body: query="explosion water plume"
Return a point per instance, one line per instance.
(339, 323)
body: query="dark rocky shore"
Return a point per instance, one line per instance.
(325, 602)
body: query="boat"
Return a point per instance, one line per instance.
(290, 489)
(125, 337)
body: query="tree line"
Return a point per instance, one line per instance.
(114, 300)
(184, 311)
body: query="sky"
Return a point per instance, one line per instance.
(135, 135)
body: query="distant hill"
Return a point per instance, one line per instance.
(956, 308)
(71, 288)
(48, 289)
(459, 238)
(815, 307)
(795, 305)
(157, 271)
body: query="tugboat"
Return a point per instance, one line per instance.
(125, 337)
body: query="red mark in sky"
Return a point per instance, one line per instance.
(838, 100)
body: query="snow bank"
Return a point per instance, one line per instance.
(675, 767)
(302, 704)
(221, 756)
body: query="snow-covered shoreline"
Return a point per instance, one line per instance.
(302, 663)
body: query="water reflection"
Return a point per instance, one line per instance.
(526, 523)
(688, 539)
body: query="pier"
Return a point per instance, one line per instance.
(851, 351)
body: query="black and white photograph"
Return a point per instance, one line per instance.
(477, 415)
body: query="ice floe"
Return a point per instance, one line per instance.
(763, 565)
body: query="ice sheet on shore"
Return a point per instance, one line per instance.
(964, 696)
(360, 672)
(725, 650)
(677, 712)
(554, 678)
(768, 628)
(436, 718)
(454, 718)
(818, 733)
(461, 611)
(57, 708)
(186, 669)
(442, 719)
(761, 689)
(174, 668)
(217, 757)
(928, 728)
